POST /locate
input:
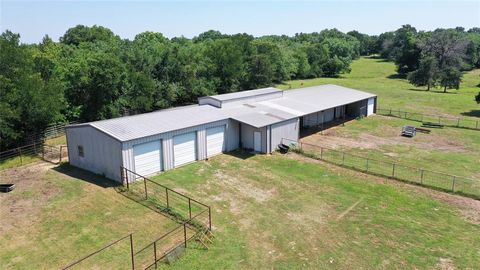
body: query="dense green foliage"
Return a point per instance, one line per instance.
(93, 74)
(435, 58)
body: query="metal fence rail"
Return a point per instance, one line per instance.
(29, 153)
(193, 216)
(438, 180)
(437, 119)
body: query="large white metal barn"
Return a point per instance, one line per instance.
(256, 119)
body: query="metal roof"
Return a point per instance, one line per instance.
(148, 124)
(245, 94)
(292, 104)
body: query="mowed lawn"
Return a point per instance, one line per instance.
(286, 212)
(57, 215)
(378, 76)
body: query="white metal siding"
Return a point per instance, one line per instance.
(215, 140)
(184, 148)
(288, 130)
(247, 137)
(257, 141)
(147, 157)
(102, 153)
(371, 105)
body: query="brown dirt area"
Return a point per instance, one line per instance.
(25, 202)
(331, 138)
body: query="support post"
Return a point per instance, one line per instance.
(209, 218)
(458, 122)
(126, 177)
(421, 176)
(367, 166)
(131, 252)
(146, 190)
(190, 207)
(321, 153)
(185, 234)
(476, 125)
(60, 158)
(453, 183)
(393, 170)
(343, 158)
(166, 194)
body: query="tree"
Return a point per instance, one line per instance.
(450, 77)
(405, 51)
(477, 98)
(82, 33)
(427, 73)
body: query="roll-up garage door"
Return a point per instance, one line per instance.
(184, 148)
(215, 140)
(147, 157)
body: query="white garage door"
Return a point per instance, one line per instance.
(184, 148)
(371, 104)
(215, 140)
(147, 157)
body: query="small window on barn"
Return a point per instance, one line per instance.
(80, 151)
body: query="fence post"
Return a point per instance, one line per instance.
(343, 158)
(390, 111)
(34, 148)
(453, 183)
(185, 234)
(476, 125)
(146, 191)
(209, 218)
(458, 122)
(393, 170)
(155, 253)
(131, 252)
(21, 160)
(439, 120)
(43, 151)
(367, 166)
(61, 148)
(421, 176)
(166, 194)
(126, 177)
(190, 207)
(321, 153)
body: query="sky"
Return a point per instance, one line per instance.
(34, 19)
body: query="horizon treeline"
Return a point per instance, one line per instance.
(93, 74)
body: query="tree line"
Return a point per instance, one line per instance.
(92, 74)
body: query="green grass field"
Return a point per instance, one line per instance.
(276, 212)
(379, 77)
(56, 216)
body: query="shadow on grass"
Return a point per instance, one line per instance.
(472, 113)
(434, 91)
(241, 153)
(396, 76)
(86, 176)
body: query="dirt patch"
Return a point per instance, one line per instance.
(390, 136)
(25, 202)
(445, 264)
(244, 188)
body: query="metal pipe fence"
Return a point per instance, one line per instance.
(30, 153)
(194, 220)
(431, 118)
(165, 199)
(428, 178)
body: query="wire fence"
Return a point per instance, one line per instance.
(433, 119)
(30, 153)
(438, 180)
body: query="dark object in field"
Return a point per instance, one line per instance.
(6, 187)
(408, 131)
(423, 130)
(283, 148)
(431, 125)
